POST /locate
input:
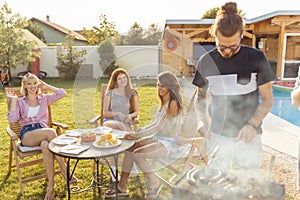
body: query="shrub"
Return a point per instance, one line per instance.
(107, 56)
(69, 59)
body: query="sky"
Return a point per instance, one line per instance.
(75, 14)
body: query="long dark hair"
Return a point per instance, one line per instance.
(129, 90)
(113, 81)
(170, 81)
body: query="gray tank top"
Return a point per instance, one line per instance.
(118, 103)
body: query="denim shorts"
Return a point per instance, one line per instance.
(29, 127)
(170, 143)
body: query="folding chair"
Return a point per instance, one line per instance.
(26, 157)
(98, 120)
(178, 166)
(191, 152)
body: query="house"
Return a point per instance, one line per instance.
(277, 34)
(55, 33)
(31, 37)
(37, 45)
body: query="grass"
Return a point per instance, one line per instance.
(80, 104)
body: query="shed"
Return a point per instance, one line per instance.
(277, 34)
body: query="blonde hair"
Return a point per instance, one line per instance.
(26, 78)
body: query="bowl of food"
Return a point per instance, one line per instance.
(88, 137)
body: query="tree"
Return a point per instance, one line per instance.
(35, 30)
(107, 56)
(14, 48)
(212, 13)
(69, 62)
(135, 35)
(153, 35)
(105, 30)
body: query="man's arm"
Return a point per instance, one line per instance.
(248, 132)
(295, 96)
(265, 105)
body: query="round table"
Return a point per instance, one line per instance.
(92, 152)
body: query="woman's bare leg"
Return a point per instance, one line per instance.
(35, 137)
(48, 159)
(152, 151)
(42, 137)
(128, 163)
(116, 125)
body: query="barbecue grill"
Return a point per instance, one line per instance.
(212, 184)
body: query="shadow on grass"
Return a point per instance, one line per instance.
(4, 181)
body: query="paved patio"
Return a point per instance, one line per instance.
(280, 135)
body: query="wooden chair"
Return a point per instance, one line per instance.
(26, 156)
(98, 120)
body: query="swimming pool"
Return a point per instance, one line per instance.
(283, 108)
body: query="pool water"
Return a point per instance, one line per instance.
(283, 107)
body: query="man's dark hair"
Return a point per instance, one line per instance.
(228, 21)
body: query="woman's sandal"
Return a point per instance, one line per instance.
(50, 193)
(73, 180)
(113, 193)
(153, 193)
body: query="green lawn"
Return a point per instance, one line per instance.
(75, 110)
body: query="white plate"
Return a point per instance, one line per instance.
(119, 134)
(75, 133)
(102, 130)
(119, 142)
(64, 140)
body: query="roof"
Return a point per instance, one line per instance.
(247, 21)
(29, 36)
(273, 14)
(61, 29)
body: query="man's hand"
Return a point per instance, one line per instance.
(246, 134)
